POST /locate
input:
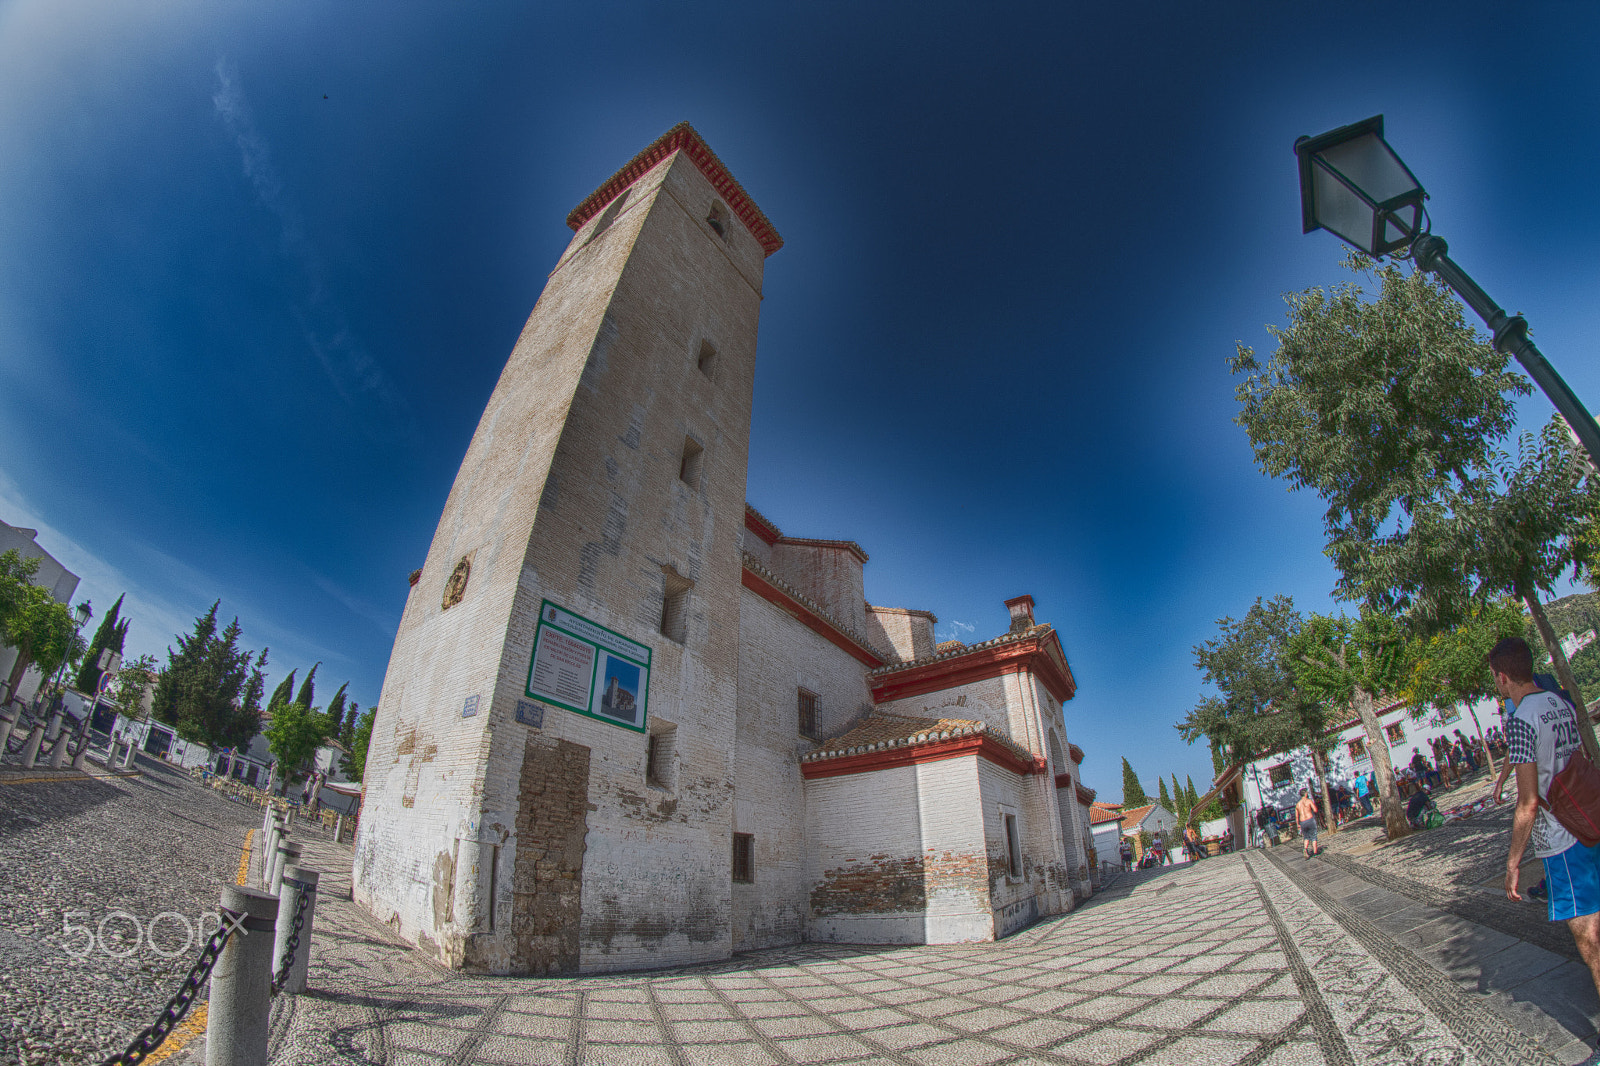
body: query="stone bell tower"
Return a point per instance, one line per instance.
(549, 782)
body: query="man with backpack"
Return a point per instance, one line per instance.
(1542, 735)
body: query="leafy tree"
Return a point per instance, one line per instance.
(1259, 708)
(1353, 663)
(127, 693)
(308, 688)
(1450, 669)
(354, 764)
(1132, 792)
(110, 634)
(200, 691)
(348, 732)
(42, 629)
(1165, 798)
(293, 737)
(1586, 667)
(1391, 408)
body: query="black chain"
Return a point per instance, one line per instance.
(178, 1005)
(294, 934)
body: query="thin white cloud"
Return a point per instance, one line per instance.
(358, 378)
(954, 630)
(383, 621)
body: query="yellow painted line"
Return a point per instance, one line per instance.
(244, 859)
(193, 1025)
(42, 778)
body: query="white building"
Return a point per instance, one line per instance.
(1276, 780)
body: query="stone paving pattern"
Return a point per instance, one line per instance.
(144, 845)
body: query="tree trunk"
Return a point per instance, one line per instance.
(1564, 673)
(1483, 740)
(1321, 767)
(1394, 812)
(20, 667)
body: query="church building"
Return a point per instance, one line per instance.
(628, 722)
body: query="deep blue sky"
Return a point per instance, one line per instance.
(261, 265)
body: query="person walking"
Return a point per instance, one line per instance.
(1542, 732)
(1305, 812)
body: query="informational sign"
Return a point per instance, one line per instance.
(470, 707)
(530, 713)
(584, 667)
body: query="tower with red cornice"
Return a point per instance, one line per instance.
(520, 815)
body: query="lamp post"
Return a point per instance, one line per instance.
(1354, 185)
(80, 615)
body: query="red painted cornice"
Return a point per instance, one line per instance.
(979, 664)
(1085, 796)
(682, 137)
(757, 523)
(1063, 780)
(1075, 751)
(807, 617)
(980, 744)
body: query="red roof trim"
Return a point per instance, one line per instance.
(1086, 796)
(757, 523)
(1074, 751)
(981, 745)
(682, 137)
(807, 617)
(1063, 780)
(979, 664)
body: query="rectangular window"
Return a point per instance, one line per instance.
(1358, 749)
(675, 606)
(808, 715)
(660, 762)
(1013, 847)
(1281, 774)
(689, 465)
(1396, 733)
(744, 867)
(708, 359)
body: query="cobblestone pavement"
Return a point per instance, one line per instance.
(1223, 962)
(75, 849)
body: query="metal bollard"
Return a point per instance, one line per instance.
(30, 753)
(7, 724)
(287, 855)
(58, 754)
(240, 1012)
(297, 881)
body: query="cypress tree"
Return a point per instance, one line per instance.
(200, 691)
(107, 636)
(1179, 798)
(281, 694)
(335, 712)
(308, 689)
(1132, 792)
(1164, 799)
(1194, 800)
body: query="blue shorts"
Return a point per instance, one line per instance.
(1573, 881)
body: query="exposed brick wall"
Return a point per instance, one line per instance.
(547, 880)
(903, 635)
(829, 576)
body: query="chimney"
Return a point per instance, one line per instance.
(1021, 610)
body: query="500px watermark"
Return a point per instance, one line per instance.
(120, 933)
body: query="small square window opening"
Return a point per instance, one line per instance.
(675, 605)
(717, 219)
(689, 465)
(707, 361)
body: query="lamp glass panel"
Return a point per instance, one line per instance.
(1369, 164)
(1402, 224)
(1339, 209)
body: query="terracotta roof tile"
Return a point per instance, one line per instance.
(879, 731)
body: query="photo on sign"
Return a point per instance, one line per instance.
(620, 697)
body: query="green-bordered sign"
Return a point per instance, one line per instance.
(584, 667)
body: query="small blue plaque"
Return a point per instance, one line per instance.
(469, 708)
(530, 714)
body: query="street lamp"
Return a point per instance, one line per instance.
(80, 615)
(1354, 185)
